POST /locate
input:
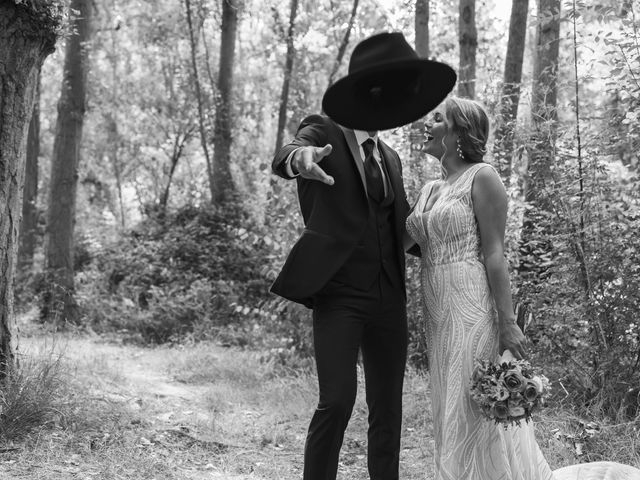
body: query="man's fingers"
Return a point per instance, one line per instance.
(318, 174)
(320, 153)
(308, 164)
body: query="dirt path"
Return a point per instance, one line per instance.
(199, 412)
(195, 412)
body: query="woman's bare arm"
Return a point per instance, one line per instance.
(490, 208)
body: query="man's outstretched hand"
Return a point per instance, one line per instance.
(305, 162)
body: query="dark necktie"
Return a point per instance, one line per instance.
(375, 182)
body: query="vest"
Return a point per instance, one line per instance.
(377, 250)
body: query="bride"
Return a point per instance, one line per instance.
(459, 223)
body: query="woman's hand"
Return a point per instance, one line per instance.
(512, 338)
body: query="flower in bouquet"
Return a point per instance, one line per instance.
(508, 391)
(514, 380)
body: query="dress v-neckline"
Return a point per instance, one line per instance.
(424, 211)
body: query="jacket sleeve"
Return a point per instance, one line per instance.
(311, 132)
(415, 249)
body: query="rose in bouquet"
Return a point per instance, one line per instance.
(509, 390)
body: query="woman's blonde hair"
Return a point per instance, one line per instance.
(469, 120)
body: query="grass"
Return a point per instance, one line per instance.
(111, 411)
(30, 395)
(588, 436)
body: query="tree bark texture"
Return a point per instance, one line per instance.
(288, 68)
(222, 179)
(468, 42)
(59, 304)
(25, 41)
(422, 28)
(503, 146)
(29, 222)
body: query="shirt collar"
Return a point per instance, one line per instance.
(362, 135)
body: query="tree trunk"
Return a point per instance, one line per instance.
(111, 116)
(422, 28)
(25, 41)
(29, 222)
(416, 133)
(164, 198)
(534, 246)
(199, 99)
(58, 301)
(468, 41)
(544, 98)
(223, 190)
(113, 141)
(178, 147)
(288, 68)
(503, 145)
(344, 44)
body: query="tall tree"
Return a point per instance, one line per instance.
(344, 43)
(29, 222)
(28, 33)
(503, 146)
(288, 68)
(534, 249)
(111, 113)
(422, 28)
(223, 186)
(59, 304)
(468, 42)
(199, 97)
(416, 133)
(543, 101)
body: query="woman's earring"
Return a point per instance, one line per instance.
(459, 149)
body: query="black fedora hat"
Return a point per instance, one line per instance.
(388, 85)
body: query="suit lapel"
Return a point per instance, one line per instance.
(355, 154)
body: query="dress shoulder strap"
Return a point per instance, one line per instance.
(466, 180)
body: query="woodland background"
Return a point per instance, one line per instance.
(135, 146)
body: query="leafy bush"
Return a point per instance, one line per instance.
(199, 274)
(167, 276)
(587, 296)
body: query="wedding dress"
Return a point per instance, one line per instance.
(461, 327)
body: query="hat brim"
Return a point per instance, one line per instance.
(389, 95)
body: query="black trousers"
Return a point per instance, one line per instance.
(346, 320)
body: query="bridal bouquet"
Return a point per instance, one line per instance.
(508, 391)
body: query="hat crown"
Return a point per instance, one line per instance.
(388, 85)
(381, 49)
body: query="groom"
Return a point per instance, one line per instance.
(349, 265)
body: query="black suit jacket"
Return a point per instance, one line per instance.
(335, 216)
